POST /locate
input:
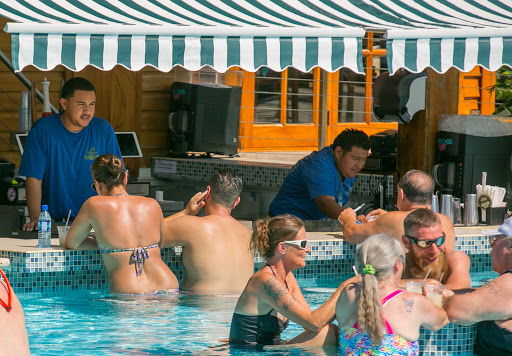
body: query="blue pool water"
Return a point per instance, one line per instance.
(95, 323)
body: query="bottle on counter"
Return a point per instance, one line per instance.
(44, 228)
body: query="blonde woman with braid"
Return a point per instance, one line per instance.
(272, 295)
(374, 316)
(128, 229)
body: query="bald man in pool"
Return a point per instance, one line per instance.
(216, 251)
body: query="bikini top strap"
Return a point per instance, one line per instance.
(8, 305)
(286, 284)
(390, 296)
(385, 300)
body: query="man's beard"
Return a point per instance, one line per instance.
(417, 267)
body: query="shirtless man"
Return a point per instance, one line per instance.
(489, 306)
(13, 332)
(424, 238)
(415, 191)
(216, 251)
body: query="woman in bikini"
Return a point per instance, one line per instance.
(272, 295)
(374, 316)
(13, 332)
(128, 229)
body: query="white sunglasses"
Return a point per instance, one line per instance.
(302, 244)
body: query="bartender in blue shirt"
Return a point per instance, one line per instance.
(319, 184)
(59, 153)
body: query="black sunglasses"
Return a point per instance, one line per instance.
(427, 243)
(93, 186)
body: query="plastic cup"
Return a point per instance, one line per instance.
(63, 232)
(414, 286)
(372, 218)
(435, 294)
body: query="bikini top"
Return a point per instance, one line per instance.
(8, 305)
(384, 302)
(139, 255)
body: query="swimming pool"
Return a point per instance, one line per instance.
(96, 323)
(68, 310)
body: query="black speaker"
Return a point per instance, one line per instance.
(205, 118)
(398, 97)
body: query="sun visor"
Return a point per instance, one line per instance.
(398, 97)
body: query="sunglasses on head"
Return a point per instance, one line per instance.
(493, 238)
(427, 243)
(302, 244)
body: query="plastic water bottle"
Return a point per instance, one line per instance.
(44, 228)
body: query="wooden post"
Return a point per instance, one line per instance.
(417, 140)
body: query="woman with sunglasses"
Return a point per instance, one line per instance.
(272, 295)
(128, 230)
(375, 317)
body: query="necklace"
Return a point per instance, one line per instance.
(116, 195)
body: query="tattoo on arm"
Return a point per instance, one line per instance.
(493, 288)
(278, 292)
(408, 304)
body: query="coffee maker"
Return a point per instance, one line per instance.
(466, 147)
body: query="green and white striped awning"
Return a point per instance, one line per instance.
(253, 33)
(188, 33)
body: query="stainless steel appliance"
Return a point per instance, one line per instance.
(466, 147)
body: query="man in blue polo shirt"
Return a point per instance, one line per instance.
(60, 150)
(319, 184)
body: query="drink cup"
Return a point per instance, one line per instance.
(63, 232)
(435, 294)
(414, 286)
(435, 204)
(372, 218)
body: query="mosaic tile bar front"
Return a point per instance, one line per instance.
(329, 258)
(265, 175)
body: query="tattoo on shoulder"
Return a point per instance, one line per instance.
(408, 304)
(278, 292)
(493, 288)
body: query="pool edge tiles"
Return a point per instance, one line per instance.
(34, 270)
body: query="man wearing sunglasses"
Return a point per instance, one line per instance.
(216, 253)
(424, 239)
(415, 190)
(490, 306)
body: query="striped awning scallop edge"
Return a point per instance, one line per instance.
(191, 34)
(277, 34)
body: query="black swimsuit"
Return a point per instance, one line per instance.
(263, 329)
(492, 339)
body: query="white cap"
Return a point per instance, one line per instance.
(505, 229)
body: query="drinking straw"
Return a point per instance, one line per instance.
(354, 269)
(441, 278)
(67, 220)
(359, 207)
(426, 276)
